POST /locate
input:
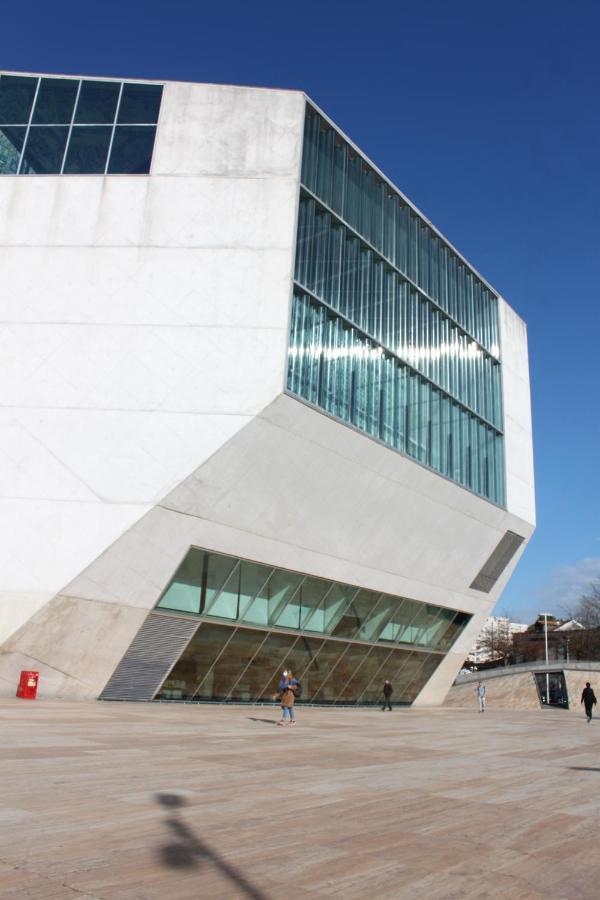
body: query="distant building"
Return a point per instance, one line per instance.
(567, 639)
(496, 634)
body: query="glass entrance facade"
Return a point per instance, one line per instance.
(338, 639)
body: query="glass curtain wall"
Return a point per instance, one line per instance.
(391, 332)
(335, 174)
(337, 367)
(53, 126)
(339, 640)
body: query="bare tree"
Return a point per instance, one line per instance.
(587, 608)
(496, 640)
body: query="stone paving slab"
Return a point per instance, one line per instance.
(119, 801)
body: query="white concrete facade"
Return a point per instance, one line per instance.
(144, 325)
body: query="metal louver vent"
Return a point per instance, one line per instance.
(498, 561)
(150, 657)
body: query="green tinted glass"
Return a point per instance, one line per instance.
(55, 101)
(11, 144)
(16, 98)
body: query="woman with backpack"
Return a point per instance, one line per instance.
(288, 687)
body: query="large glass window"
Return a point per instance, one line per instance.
(195, 662)
(97, 103)
(67, 126)
(16, 98)
(337, 367)
(392, 331)
(339, 640)
(55, 101)
(216, 586)
(357, 195)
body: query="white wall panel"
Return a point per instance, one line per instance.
(143, 320)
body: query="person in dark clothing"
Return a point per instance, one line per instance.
(387, 693)
(588, 698)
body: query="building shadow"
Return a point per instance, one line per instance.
(584, 769)
(186, 850)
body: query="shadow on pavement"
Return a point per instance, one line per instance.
(583, 769)
(268, 721)
(187, 851)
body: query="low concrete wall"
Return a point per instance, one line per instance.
(514, 687)
(516, 691)
(576, 680)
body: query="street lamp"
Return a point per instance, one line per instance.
(545, 615)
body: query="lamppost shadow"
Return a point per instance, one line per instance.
(188, 851)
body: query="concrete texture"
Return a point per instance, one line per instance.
(515, 691)
(514, 687)
(147, 802)
(576, 680)
(143, 322)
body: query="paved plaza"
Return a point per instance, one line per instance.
(131, 801)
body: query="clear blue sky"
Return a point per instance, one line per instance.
(485, 115)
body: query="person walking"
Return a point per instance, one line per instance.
(287, 687)
(387, 693)
(588, 698)
(480, 692)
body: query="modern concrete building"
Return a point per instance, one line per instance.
(257, 412)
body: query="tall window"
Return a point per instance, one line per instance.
(392, 332)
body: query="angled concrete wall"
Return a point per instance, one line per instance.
(300, 491)
(145, 328)
(144, 321)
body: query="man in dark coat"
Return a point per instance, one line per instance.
(387, 693)
(588, 698)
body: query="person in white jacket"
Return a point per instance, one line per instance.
(480, 692)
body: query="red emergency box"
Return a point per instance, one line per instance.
(28, 685)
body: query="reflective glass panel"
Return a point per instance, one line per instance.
(16, 98)
(446, 618)
(131, 152)
(228, 667)
(262, 674)
(424, 624)
(356, 614)
(195, 661)
(341, 673)
(221, 595)
(55, 101)
(359, 680)
(385, 313)
(406, 673)
(88, 150)
(214, 585)
(454, 629)
(305, 665)
(397, 627)
(272, 597)
(140, 103)
(238, 593)
(325, 618)
(11, 144)
(422, 676)
(183, 594)
(304, 601)
(97, 102)
(44, 151)
(390, 668)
